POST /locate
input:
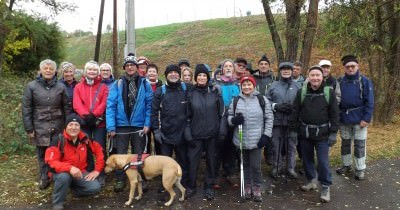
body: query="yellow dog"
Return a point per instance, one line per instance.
(153, 166)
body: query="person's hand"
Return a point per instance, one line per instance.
(263, 141)
(238, 119)
(90, 120)
(31, 136)
(332, 139)
(75, 172)
(283, 107)
(145, 129)
(157, 136)
(92, 176)
(188, 133)
(112, 133)
(363, 124)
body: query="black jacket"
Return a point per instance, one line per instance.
(316, 111)
(169, 112)
(205, 109)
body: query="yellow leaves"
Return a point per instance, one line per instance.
(14, 46)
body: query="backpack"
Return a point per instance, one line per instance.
(164, 89)
(60, 142)
(326, 93)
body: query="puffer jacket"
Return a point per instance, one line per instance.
(254, 123)
(74, 154)
(282, 92)
(91, 96)
(44, 107)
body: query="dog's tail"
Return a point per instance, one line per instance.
(179, 171)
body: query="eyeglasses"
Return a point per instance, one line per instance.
(350, 66)
(129, 64)
(105, 70)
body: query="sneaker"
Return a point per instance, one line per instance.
(292, 174)
(44, 184)
(257, 194)
(309, 186)
(58, 207)
(247, 191)
(360, 175)
(343, 170)
(209, 194)
(325, 194)
(119, 186)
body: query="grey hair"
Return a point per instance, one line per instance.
(66, 65)
(91, 64)
(106, 65)
(48, 62)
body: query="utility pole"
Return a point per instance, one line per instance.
(130, 27)
(98, 37)
(115, 42)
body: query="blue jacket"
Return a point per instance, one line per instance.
(355, 107)
(228, 91)
(116, 115)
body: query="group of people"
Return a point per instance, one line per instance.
(194, 114)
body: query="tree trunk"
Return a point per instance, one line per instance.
(10, 6)
(115, 41)
(293, 8)
(274, 33)
(311, 28)
(98, 36)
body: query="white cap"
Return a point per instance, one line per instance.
(325, 63)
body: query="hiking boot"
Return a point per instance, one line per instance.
(309, 186)
(360, 175)
(257, 194)
(190, 192)
(209, 194)
(44, 184)
(58, 207)
(119, 186)
(343, 170)
(325, 194)
(247, 191)
(292, 174)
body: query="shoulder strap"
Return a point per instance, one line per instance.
(183, 85)
(95, 96)
(327, 93)
(303, 93)
(235, 102)
(262, 105)
(61, 143)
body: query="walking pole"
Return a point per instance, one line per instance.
(242, 196)
(277, 159)
(286, 136)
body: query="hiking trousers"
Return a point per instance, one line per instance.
(350, 133)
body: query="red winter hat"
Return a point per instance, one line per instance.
(251, 79)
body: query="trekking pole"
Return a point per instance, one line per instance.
(277, 159)
(286, 136)
(242, 196)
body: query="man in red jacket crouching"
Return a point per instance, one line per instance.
(71, 156)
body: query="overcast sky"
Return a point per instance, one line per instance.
(153, 12)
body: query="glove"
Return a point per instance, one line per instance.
(90, 120)
(332, 139)
(263, 141)
(238, 119)
(188, 133)
(283, 107)
(158, 136)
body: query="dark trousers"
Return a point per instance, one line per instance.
(43, 167)
(80, 187)
(181, 157)
(322, 149)
(195, 149)
(252, 166)
(124, 137)
(97, 135)
(226, 156)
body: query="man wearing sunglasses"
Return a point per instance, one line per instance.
(356, 108)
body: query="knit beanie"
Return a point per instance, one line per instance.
(264, 58)
(348, 58)
(130, 58)
(73, 118)
(172, 67)
(248, 78)
(241, 60)
(201, 68)
(184, 61)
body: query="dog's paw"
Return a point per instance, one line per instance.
(138, 197)
(128, 203)
(181, 199)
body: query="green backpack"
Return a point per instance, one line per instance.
(326, 93)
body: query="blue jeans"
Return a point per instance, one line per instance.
(322, 150)
(80, 187)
